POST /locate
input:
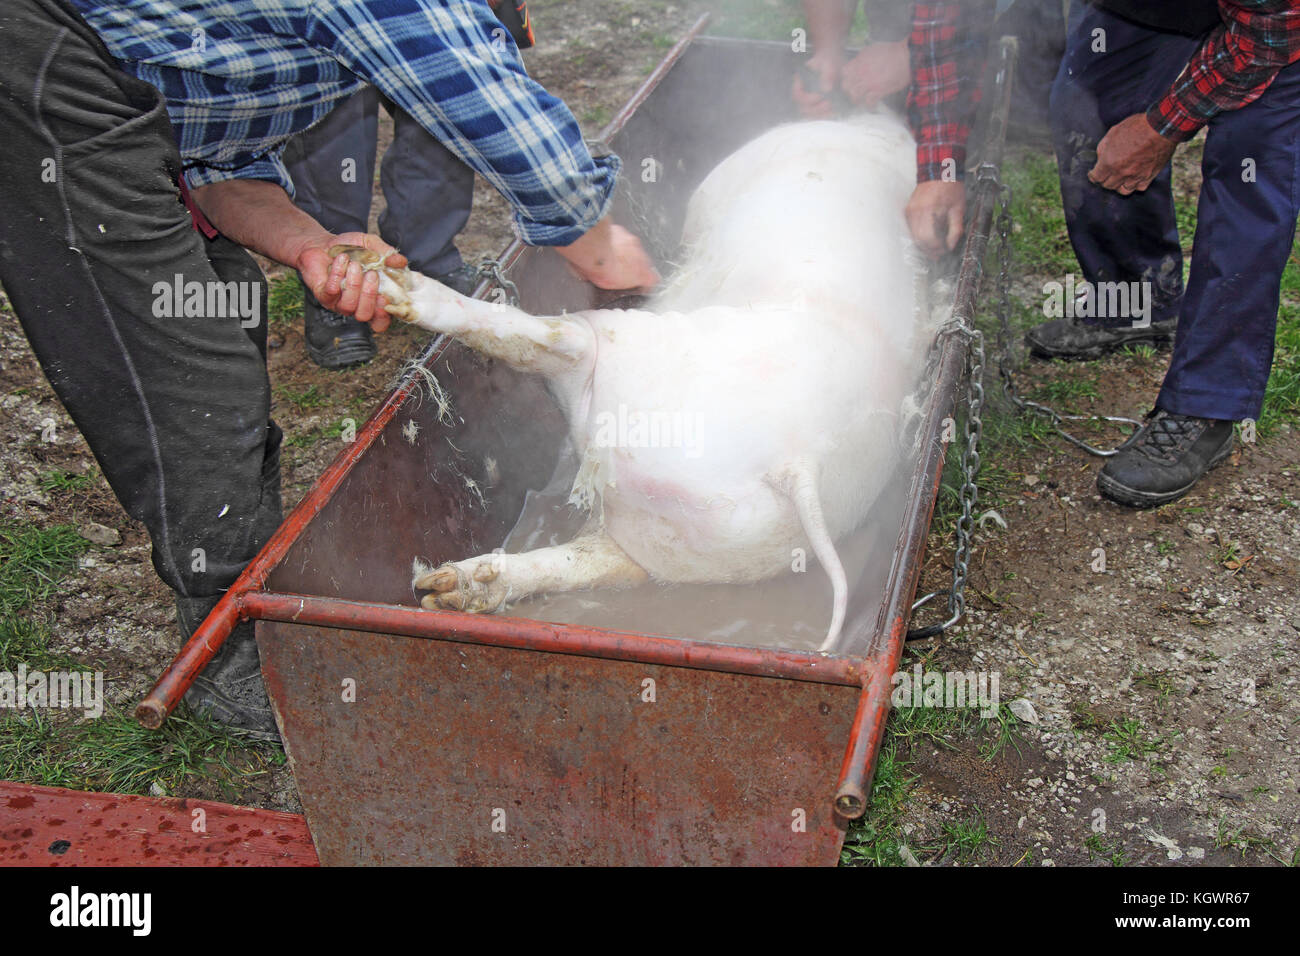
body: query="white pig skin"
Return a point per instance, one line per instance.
(782, 349)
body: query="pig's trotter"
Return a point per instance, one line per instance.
(488, 582)
(399, 281)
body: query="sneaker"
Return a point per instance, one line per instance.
(335, 341)
(230, 689)
(1164, 459)
(1076, 339)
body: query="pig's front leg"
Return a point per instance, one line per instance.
(548, 345)
(488, 582)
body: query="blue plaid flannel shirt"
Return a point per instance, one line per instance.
(242, 76)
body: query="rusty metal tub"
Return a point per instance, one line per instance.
(440, 737)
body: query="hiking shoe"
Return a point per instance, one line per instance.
(230, 689)
(1076, 339)
(1164, 459)
(463, 280)
(335, 341)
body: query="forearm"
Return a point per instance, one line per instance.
(828, 22)
(260, 216)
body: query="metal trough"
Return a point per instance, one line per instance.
(503, 740)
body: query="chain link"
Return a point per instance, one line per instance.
(490, 269)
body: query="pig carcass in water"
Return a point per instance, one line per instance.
(783, 348)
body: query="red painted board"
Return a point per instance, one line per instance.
(50, 826)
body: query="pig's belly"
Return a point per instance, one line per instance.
(738, 535)
(683, 451)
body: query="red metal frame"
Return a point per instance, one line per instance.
(50, 826)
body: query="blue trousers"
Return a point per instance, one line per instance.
(428, 190)
(1246, 214)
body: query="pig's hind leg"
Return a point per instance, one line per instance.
(490, 581)
(556, 347)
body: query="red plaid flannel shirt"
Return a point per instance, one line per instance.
(1233, 67)
(947, 44)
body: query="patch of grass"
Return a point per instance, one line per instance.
(305, 400)
(965, 839)
(57, 481)
(1228, 838)
(115, 754)
(1128, 741)
(1157, 680)
(1282, 394)
(25, 641)
(1064, 391)
(309, 438)
(285, 302)
(1099, 847)
(597, 117)
(1040, 241)
(875, 839)
(32, 560)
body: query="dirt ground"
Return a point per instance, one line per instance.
(1163, 683)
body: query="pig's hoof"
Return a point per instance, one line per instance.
(371, 261)
(474, 586)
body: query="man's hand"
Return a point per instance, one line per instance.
(934, 214)
(826, 65)
(610, 257)
(1130, 156)
(340, 285)
(261, 216)
(879, 70)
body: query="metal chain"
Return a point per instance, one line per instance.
(970, 465)
(1005, 346)
(969, 493)
(490, 269)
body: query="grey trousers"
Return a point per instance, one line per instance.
(97, 255)
(429, 191)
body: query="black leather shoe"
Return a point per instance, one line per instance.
(335, 341)
(1164, 459)
(463, 280)
(230, 689)
(1075, 339)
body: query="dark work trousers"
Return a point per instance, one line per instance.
(1246, 215)
(429, 191)
(175, 408)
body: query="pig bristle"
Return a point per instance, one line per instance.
(441, 399)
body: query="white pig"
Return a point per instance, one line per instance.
(752, 408)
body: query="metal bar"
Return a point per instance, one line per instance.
(229, 612)
(526, 634)
(868, 731)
